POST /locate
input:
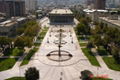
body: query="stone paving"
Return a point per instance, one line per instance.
(51, 70)
(67, 70)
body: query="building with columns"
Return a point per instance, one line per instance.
(61, 16)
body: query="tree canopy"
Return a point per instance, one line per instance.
(32, 74)
(23, 41)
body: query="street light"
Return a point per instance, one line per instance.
(12, 44)
(50, 34)
(72, 40)
(59, 45)
(47, 40)
(97, 71)
(19, 71)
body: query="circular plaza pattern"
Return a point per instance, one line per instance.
(54, 56)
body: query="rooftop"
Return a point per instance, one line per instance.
(61, 11)
(7, 23)
(21, 19)
(93, 10)
(116, 22)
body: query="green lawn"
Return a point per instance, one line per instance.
(102, 51)
(42, 34)
(80, 37)
(7, 63)
(16, 78)
(28, 57)
(37, 44)
(90, 56)
(101, 79)
(83, 44)
(40, 38)
(111, 63)
(14, 52)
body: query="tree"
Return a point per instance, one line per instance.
(20, 30)
(100, 28)
(82, 29)
(97, 40)
(106, 41)
(32, 74)
(84, 21)
(113, 33)
(116, 53)
(86, 75)
(78, 13)
(90, 45)
(32, 30)
(23, 41)
(5, 41)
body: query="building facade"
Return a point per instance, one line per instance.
(30, 5)
(109, 22)
(61, 16)
(113, 3)
(8, 27)
(99, 4)
(12, 7)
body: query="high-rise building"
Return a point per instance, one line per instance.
(113, 3)
(89, 2)
(30, 5)
(99, 4)
(117, 3)
(12, 7)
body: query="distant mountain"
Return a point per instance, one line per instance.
(66, 2)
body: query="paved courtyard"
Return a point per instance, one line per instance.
(66, 70)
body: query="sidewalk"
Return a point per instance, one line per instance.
(99, 58)
(17, 64)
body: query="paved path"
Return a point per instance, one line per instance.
(71, 69)
(101, 62)
(10, 57)
(68, 70)
(99, 59)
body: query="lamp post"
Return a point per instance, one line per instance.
(97, 71)
(19, 71)
(119, 55)
(12, 46)
(72, 40)
(47, 40)
(70, 35)
(50, 34)
(59, 45)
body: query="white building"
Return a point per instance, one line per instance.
(95, 14)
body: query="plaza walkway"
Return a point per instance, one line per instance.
(66, 70)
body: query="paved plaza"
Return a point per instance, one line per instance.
(65, 70)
